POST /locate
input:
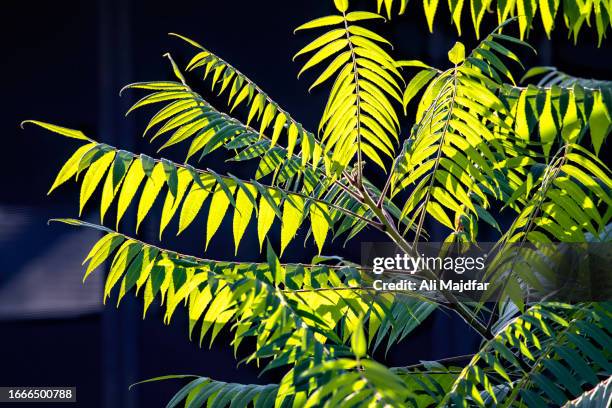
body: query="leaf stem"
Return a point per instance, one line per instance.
(390, 229)
(359, 175)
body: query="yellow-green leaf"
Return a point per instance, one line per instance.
(101, 251)
(321, 22)
(113, 181)
(291, 220)
(323, 53)
(130, 185)
(93, 176)
(268, 115)
(151, 189)
(279, 123)
(521, 126)
(548, 14)
(439, 214)
(265, 216)
(477, 9)
(321, 41)
(341, 5)
(71, 166)
(194, 200)
(362, 15)
(547, 125)
(292, 134)
(456, 55)
(430, 7)
(72, 133)
(242, 213)
(173, 201)
(358, 340)
(416, 84)
(122, 260)
(571, 122)
(599, 122)
(218, 208)
(319, 217)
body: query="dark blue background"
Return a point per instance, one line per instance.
(64, 62)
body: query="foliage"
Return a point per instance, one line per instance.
(482, 145)
(541, 357)
(575, 13)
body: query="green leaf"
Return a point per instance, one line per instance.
(173, 200)
(362, 15)
(535, 71)
(268, 208)
(317, 43)
(141, 265)
(183, 392)
(321, 22)
(171, 176)
(147, 164)
(242, 213)
(122, 260)
(599, 122)
(456, 55)
(132, 181)
(336, 64)
(74, 134)
(319, 217)
(359, 344)
(477, 9)
(194, 201)
(163, 378)
(412, 63)
(279, 124)
(291, 221)
(439, 214)
(487, 217)
(325, 52)
(113, 181)
(93, 176)
(175, 69)
(341, 5)
(364, 32)
(106, 246)
(218, 208)
(430, 7)
(276, 269)
(69, 169)
(416, 84)
(522, 110)
(150, 192)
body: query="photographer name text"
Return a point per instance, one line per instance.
(402, 263)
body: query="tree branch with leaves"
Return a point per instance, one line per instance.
(481, 146)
